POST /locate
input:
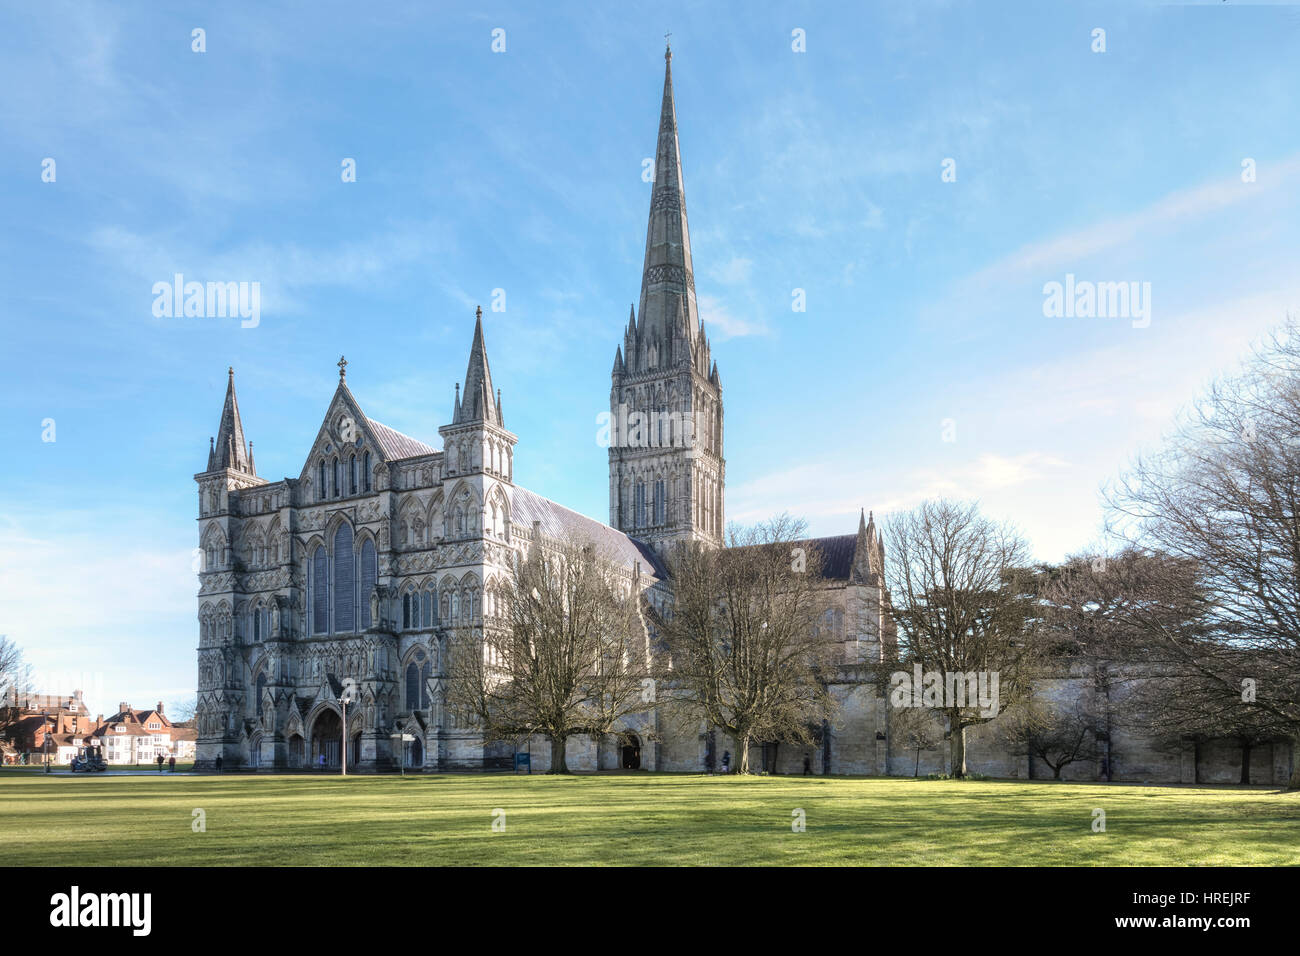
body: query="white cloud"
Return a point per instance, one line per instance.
(735, 270)
(1173, 209)
(83, 603)
(717, 315)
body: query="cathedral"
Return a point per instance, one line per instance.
(327, 602)
(350, 580)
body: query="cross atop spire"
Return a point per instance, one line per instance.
(668, 47)
(343, 368)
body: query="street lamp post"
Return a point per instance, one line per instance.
(45, 744)
(400, 737)
(343, 744)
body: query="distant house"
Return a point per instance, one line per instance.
(140, 736)
(40, 724)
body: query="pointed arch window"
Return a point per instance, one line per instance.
(257, 636)
(639, 504)
(369, 573)
(320, 601)
(425, 673)
(261, 688)
(344, 580)
(406, 610)
(365, 471)
(426, 609)
(660, 517)
(412, 687)
(320, 481)
(337, 484)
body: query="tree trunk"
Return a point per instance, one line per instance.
(1056, 772)
(742, 754)
(957, 735)
(916, 771)
(1294, 782)
(558, 764)
(1245, 762)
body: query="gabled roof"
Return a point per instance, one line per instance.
(837, 553)
(395, 445)
(558, 521)
(391, 444)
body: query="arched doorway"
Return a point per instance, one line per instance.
(327, 739)
(630, 752)
(415, 754)
(295, 751)
(255, 752)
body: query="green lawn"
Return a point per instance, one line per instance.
(633, 819)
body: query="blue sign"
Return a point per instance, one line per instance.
(523, 762)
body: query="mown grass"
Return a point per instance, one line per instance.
(642, 819)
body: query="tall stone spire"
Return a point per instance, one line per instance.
(668, 278)
(478, 403)
(667, 474)
(229, 449)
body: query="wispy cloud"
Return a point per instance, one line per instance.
(717, 316)
(1174, 210)
(735, 270)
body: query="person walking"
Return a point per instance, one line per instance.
(171, 764)
(726, 761)
(218, 762)
(159, 760)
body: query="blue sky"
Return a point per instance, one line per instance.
(521, 170)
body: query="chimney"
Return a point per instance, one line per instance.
(123, 707)
(99, 718)
(160, 707)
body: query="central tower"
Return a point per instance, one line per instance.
(666, 469)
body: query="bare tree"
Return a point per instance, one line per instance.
(183, 712)
(570, 660)
(15, 675)
(1224, 493)
(917, 729)
(745, 652)
(1058, 733)
(15, 685)
(962, 597)
(1097, 613)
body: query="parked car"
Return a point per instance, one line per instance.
(88, 760)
